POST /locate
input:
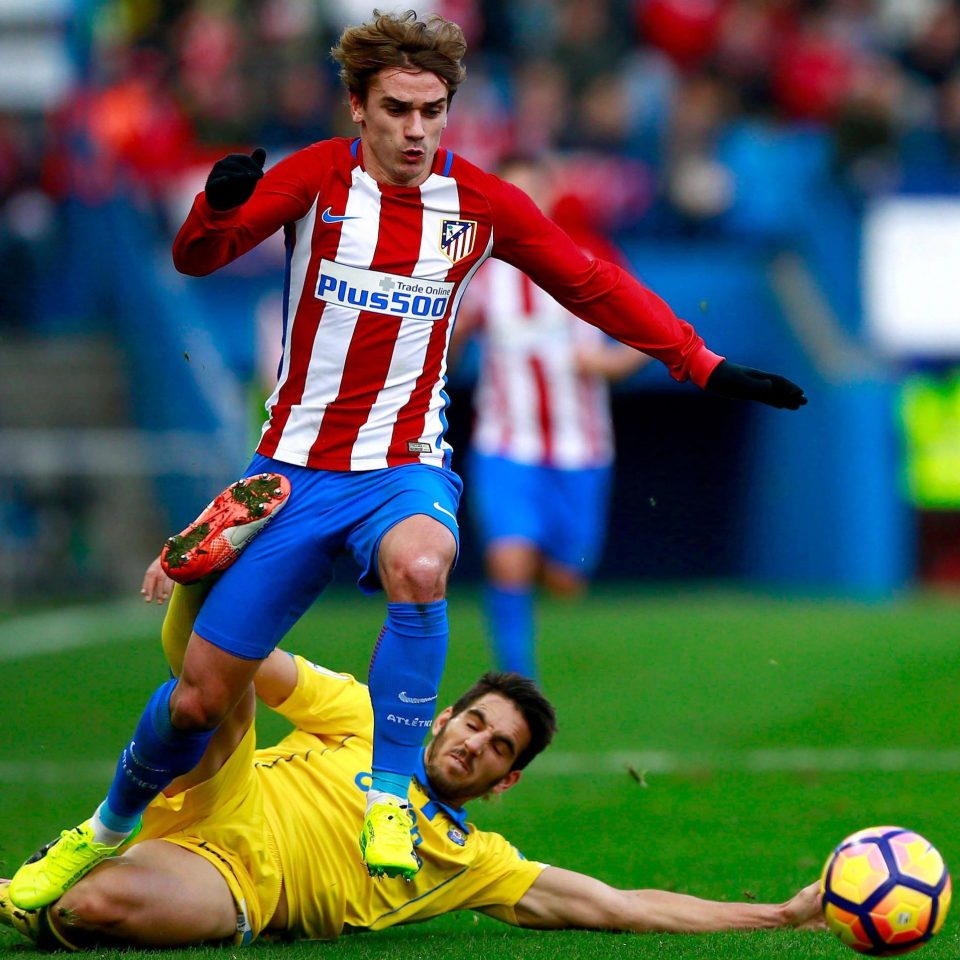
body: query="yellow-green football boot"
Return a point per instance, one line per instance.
(385, 842)
(56, 867)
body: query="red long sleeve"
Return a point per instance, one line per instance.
(210, 238)
(595, 290)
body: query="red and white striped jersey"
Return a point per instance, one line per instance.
(374, 277)
(532, 405)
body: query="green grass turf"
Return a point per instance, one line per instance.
(705, 675)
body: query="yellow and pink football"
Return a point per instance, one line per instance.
(885, 890)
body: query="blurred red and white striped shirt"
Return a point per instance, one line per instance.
(532, 405)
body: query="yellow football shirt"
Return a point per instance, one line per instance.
(314, 783)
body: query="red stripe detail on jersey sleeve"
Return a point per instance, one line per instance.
(374, 338)
(543, 409)
(528, 296)
(587, 407)
(499, 388)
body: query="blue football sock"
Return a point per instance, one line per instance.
(157, 755)
(510, 615)
(405, 672)
(396, 783)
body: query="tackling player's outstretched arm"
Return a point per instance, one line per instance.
(561, 899)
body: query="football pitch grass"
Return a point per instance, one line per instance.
(711, 742)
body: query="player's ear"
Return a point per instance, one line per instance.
(507, 782)
(356, 108)
(440, 721)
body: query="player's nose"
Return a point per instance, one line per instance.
(415, 126)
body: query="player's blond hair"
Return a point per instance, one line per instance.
(400, 40)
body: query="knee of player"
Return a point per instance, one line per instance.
(417, 576)
(100, 901)
(568, 589)
(562, 582)
(512, 564)
(196, 708)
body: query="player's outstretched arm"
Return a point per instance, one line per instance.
(607, 297)
(561, 899)
(745, 383)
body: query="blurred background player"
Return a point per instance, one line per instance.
(542, 447)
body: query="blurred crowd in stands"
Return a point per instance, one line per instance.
(668, 112)
(755, 124)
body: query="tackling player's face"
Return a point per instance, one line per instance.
(473, 751)
(400, 124)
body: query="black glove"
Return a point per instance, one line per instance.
(233, 179)
(745, 383)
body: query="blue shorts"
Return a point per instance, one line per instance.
(286, 567)
(562, 512)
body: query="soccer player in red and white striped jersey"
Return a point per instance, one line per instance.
(542, 447)
(383, 232)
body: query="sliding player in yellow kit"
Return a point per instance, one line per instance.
(237, 849)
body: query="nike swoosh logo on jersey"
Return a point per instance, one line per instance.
(436, 506)
(328, 217)
(402, 696)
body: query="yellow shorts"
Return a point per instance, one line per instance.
(222, 820)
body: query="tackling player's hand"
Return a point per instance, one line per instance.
(233, 179)
(804, 910)
(156, 584)
(745, 383)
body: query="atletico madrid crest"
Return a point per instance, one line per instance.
(457, 238)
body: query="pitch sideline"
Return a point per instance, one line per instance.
(72, 628)
(76, 627)
(639, 763)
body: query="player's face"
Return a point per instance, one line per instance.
(472, 752)
(400, 124)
